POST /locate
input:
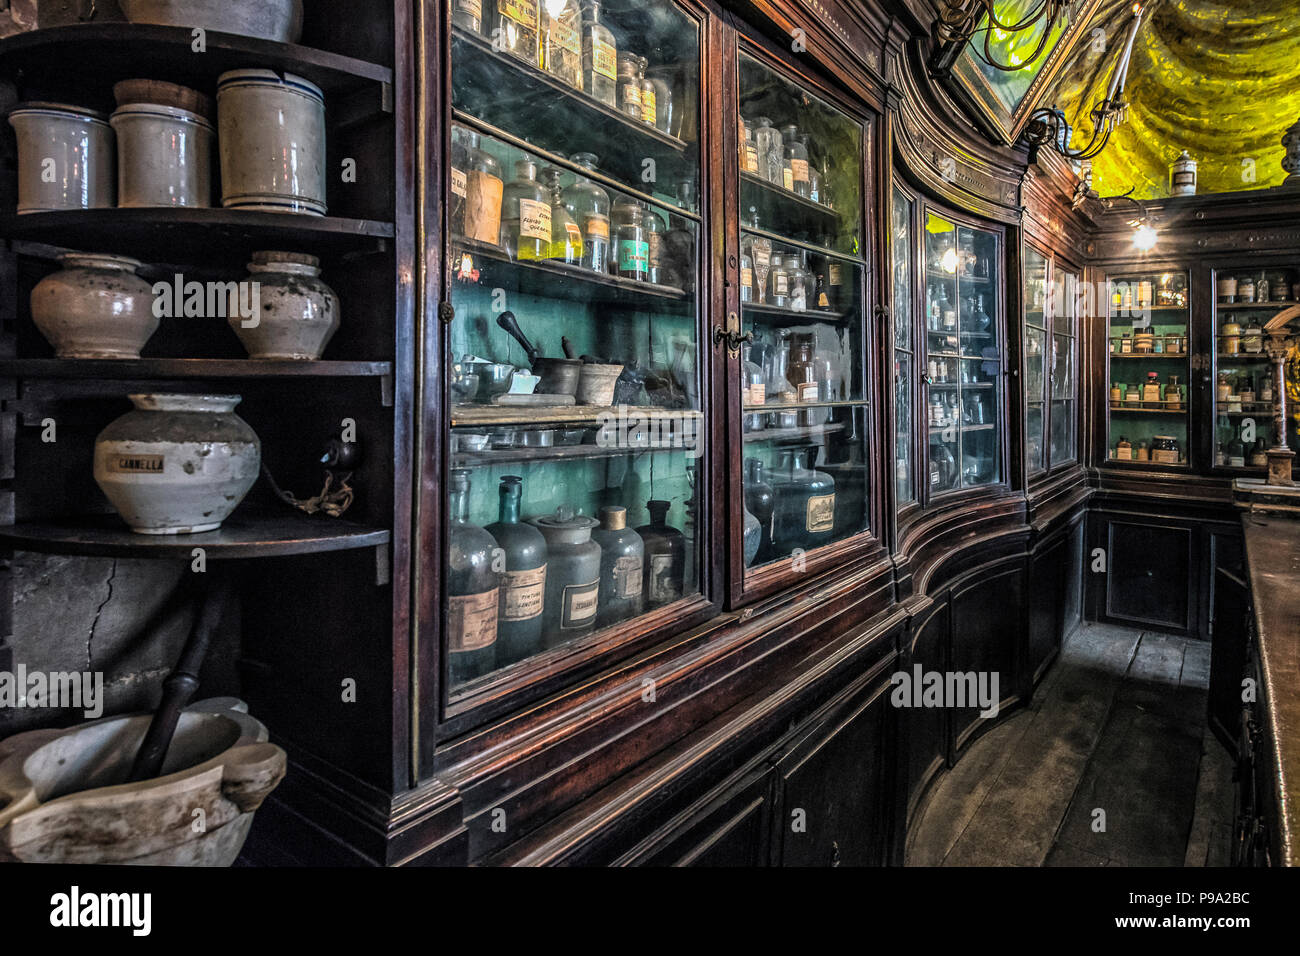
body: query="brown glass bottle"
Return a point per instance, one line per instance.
(665, 557)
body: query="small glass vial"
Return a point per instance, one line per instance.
(468, 15)
(599, 57)
(629, 83)
(514, 29)
(561, 41)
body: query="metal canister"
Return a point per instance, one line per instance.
(622, 565)
(572, 575)
(1230, 339)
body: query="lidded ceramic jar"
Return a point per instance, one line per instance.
(271, 132)
(177, 464)
(297, 313)
(95, 307)
(572, 575)
(65, 158)
(164, 149)
(279, 20)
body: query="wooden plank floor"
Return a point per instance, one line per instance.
(1110, 765)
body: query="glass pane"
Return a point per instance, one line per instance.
(573, 356)
(1036, 301)
(802, 284)
(1245, 381)
(1065, 301)
(1034, 448)
(903, 358)
(1062, 366)
(1062, 432)
(1035, 349)
(1148, 368)
(800, 162)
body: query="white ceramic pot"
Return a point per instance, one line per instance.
(65, 158)
(164, 156)
(271, 133)
(298, 313)
(279, 20)
(177, 464)
(95, 307)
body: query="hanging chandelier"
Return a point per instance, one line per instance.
(960, 21)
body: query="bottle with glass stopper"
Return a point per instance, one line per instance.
(523, 582)
(473, 589)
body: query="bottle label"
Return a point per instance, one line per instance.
(822, 301)
(633, 256)
(747, 277)
(757, 394)
(136, 464)
(600, 55)
(836, 273)
(534, 220)
(1124, 454)
(596, 226)
(627, 577)
(1150, 393)
(473, 7)
(523, 12)
(459, 183)
(820, 516)
(472, 620)
(648, 104)
(787, 177)
(578, 604)
(1236, 462)
(630, 96)
(654, 247)
(1165, 456)
(483, 207)
(799, 170)
(807, 392)
(523, 594)
(564, 35)
(573, 236)
(781, 283)
(662, 586)
(751, 158)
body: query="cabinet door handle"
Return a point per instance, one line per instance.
(731, 334)
(835, 853)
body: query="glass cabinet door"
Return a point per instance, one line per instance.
(1148, 354)
(801, 288)
(904, 350)
(1065, 313)
(963, 356)
(1037, 305)
(1244, 378)
(573, 358)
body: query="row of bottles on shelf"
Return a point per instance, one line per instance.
(1164, 450)
(573, 45)
(1150, 394)
(1149, 342)
(518, 587)
(1165, 292)
(952, 409)
(944, 371)
(782, 157)
(1234, 391)
(784, 280)
(967, 258)
(1274, 285)
(979, 465)
(1236, 339)
(1240, 451)
(536, 219)
(941, 315)
(790, 371)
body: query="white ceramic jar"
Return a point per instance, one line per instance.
(271, 134)
(177, 464)
(95, 307)
(279, 20)
(298, 313)
(65, 158)
(164, 156)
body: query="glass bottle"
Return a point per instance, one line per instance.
(480, 179)
(599, 57)
(514, 30)
(631, 246)
(759, 501)
(778, 282)
(827, 196)
(823, 300)
(1237, 451)
(654, 237)
(804, 512)
(572, 575)
(526, 214)
(468, 15)
(1266, 390)
(755, 388)
(622, 560)
(797, 155)
(629, 83)
(660, 77)
(1259, 454)
(814, 175)
(649, 95)
(748, 150)
(473, 589)
(523, 584)
(787, 173)
(801, 281)
(588, 204)
(746, 277)
(665, 556)
(566, 237)
(561, 41)
(801, 372)
(767, 140)
(459, 182)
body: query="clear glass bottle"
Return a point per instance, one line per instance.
(588, 204)
(514, 29)
(473, 589)
(629, 83)
(662, 77)
(599, 57)
(468, 15)
(778, 282)
(749, 151)
(770, 151)
(801, 282)
(566, 236)
(482, 183)
(814, 175)
(655, 245)
(665, 555)
(649, 95)
(526, 214)
(523, 583)
(746, 276)
(796, 153)
(801, 372)
(755, 389)
(631, 258)
(561, 40)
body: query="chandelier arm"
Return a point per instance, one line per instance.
(1038, 51)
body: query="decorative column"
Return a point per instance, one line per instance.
(1280, 457)
(1291, 160)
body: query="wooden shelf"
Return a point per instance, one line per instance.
(808, 315)
(1148, 411)
(798, 433)
(949, 276)
(798, 406)
(504, 92)
(940, 429)
(1253, 306)
(213, 236)
(93, 56)
(1148, 355)
(241, 536)
(479, 417)
(146, 368)
(962, 385)
(556, 280)
(785, 213)
(506, 456)
(1244, 357)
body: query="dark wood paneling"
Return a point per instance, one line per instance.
(987, 628)
(1230, 637)
(1148, 574)
(924, 730)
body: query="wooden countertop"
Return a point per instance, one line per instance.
(1273, 559)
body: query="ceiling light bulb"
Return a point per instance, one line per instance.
(950, 261)
(1144, 238)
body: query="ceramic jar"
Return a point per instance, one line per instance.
(164, 156)
(271, 133)
(177, 464)
(298, 314)
(279, 20)
(572, 575)
(65, 158)
(596, 384)
(95, 307)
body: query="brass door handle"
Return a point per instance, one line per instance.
(731, 333)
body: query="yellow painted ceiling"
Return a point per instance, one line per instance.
(1218, 78)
